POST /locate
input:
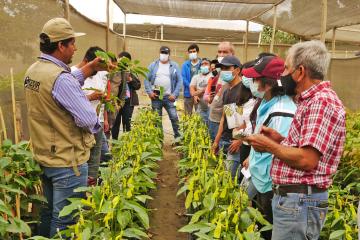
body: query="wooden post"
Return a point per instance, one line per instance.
(3, 127)
(246, 41)
(162, 31)
(19, 120)
(17, 204)
(124, 32)
(273, 32)
(67, 10)
(333, 45)
(13, 104)
(323, 20)
(107, 24)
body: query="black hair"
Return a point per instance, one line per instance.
(265, 54)
(248, 64)
(276, 90)
(125, 54)
(193, 46)
(48, 47)
(214, 61)
(206, 59)
(90, 53)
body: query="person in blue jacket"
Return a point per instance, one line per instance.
(162, 84)
(190, 68)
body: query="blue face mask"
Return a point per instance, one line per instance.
(226, 76)
(246, 81)
(204, 69)
(254, 90)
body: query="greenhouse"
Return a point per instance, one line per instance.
(180, 119)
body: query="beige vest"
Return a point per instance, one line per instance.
(56, 140)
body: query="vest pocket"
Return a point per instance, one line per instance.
(89, 140)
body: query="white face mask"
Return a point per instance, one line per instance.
(193, 56)
(164, 57)
(220, 59)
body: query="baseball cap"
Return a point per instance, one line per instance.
(58, 29)
(165, 49)
(229, 61)
(269, 67)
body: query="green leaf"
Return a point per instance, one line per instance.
(135, 233)
(202, 227)
(337, 234)
(86, 234)
(70, 208)
(266, 228)
(203, 236)
(123, 218)
(182, 190)
(143, 198)
(10, 189)
(197, 215)
(4, 162)
(140, 212)
(188, 200)
(18, 226)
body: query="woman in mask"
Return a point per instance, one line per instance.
(276, 111)
(198, 86)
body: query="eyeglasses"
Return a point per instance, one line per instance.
(164, 52)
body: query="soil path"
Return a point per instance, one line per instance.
(167, 216)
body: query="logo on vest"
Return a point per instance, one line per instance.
(31, 84)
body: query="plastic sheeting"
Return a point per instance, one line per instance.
(301, 17)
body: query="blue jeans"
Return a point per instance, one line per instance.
(95, 154)
(213, 129)
(232, 161)
(204, 115)
(298, 216)
(158, 105)
(105, 152)
(58, 185)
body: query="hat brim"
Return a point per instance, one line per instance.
(79, 34)
(250, 73)
(225, 65)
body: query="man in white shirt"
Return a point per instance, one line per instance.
(162, 84)
(94, 88)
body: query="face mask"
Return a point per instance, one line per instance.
(164, 57)
(220, 59)
(226, 76)
(288, 83)
(254, 90)
(193, 56)
(204, 69)
(246, 81)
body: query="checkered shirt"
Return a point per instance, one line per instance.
(319, 122)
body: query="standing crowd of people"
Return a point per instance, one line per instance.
(277, 120)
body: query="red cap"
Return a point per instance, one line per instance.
(269, 67)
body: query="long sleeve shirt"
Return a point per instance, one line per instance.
(67, 93)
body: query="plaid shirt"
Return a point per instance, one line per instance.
(319, 122)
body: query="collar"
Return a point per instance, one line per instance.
(54, 60)
(314, 89)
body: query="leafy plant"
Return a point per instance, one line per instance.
(219, 209)
(20, 188)
(116, 209)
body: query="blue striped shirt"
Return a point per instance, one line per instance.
(67, 92)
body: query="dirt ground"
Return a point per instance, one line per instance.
(167, 212)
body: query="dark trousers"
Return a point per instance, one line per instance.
(263, 202)
(124, 115)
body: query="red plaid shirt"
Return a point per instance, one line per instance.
(319, 122)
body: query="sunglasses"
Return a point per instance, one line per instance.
(164, 52)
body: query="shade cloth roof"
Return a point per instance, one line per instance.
(301, 17)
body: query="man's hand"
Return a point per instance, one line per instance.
(271, 133)
(246, 163)
(234, 146)
(153, 96)
(215, 146)
(196, 99)
(98, 65)
(260, 142)
(106, 126)
(96, 95)
(172, 98)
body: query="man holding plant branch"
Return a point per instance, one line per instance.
(61, 121)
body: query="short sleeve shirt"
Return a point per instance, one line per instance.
(319, 122)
